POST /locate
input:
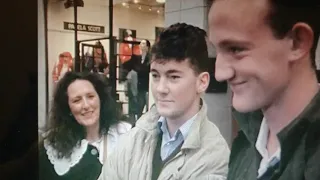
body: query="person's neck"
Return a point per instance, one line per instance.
(302, 88)
(173, 124)
(143, 53)
(92, 133)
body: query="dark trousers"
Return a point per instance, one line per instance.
(133, 108)
(142, 102)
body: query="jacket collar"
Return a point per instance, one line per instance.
(149, 123)
(193, 140)
(249, 123)
(306, 122)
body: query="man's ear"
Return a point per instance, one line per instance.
(203, 82)
(302, 40)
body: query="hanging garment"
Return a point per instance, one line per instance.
(63, 65)
(126, 50)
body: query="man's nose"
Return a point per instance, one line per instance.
(223, 69)
(162, 87)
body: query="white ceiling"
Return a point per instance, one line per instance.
(145, 4)
(148, 6)
(140, 2)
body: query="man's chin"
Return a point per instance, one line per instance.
(163, 112)
(242, 110)
(244, 106)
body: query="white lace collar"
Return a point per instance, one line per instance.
(63, 165)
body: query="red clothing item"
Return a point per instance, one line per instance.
(59, 64)
(126, 51)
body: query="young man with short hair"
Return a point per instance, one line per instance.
(175, 139)
(266, 52)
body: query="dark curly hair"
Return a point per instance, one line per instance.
(64, 132)
(180, 41)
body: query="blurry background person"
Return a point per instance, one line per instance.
(100, 58)
(96, 62)
(141, 64)
(84, 129)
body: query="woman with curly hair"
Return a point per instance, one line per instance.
(84, 129)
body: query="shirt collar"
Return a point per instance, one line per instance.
(184, 129)
(262, 140)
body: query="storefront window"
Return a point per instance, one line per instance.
(133, 21)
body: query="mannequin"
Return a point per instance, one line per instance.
(129, 37)
(63, 65)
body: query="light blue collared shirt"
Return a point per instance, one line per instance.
(169, 144)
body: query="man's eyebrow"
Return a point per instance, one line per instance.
(232, 42)
(153, 70)
(171, 71)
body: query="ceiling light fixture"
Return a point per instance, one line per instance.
(161, 1)
(136, 1)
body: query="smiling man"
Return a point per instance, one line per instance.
(175, 139)
(266, 52)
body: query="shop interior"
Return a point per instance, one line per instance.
(108, 34)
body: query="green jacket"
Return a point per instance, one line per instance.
(300, 146)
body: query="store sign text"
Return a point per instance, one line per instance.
(84, 27)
